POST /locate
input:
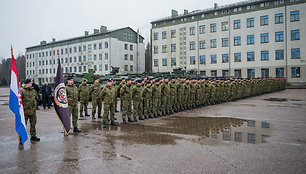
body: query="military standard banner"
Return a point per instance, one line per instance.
(60, 99)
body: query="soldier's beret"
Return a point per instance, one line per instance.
(138, 80)
(109, 80)
(69, 78)
(84, 79)
(27, 81)
(157, 80)
(128, 78)
(96, 78)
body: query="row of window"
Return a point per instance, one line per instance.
(279, 72)
(264, 20)
(264, 38)
(126, 57)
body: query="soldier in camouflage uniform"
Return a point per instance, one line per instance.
(187, 95)
(115, 88)
(126, 96)
(95, 91)
(180, 86)
(173, 95)
(107, 95)
(137, 100)
(72, 96)
(156, 93)
(84, 97)
(165, 93)
(193, 90)
(29, 95)
(147, 96)
(123, 82)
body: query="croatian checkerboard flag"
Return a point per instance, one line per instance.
(16, 103)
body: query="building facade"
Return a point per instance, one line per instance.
(248, 39)
(98, 51)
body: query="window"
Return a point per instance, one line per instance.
(279, 72)
(264, 72)
(213, 43)
(70, 69)
(106, 56)
(213, 73)
(225, 42)
(202, 44)
(202, 29)
(131, 47)
(95, 46)
(295, 72)
(264, 55)
(164, 63)
(224, 26)
(295, 34)
(238, 136)
(84, 68)
(236, 24)
(131, 58)
(295, 53)
(125, 46)
(202, 60)
(237, 41)
(80, 69)
(100, 67)
(225, 73)
(84, 47)
(105, 44)
(279, 18)
(279, 54)
(173, 47)
(213, 28)
(192, 30)
(164, 35)
(155, 36)
(279, 36)
(74, 58)
(203, 73)
(192, 60)
(250, 22)
(224, 58)
(237, 57)
(173, 33)
(100, 56)
(66, 60)
(106, 67)
(213, 59)
(264, 20)
(155, 49)
(80, 48)
(251, 74)
(264, 38)
(70, 60)
(155, 62)
(250, 39)
(66, 50)
(294, 16)
(131, 68)
(100, 45)
(95, 57)
(173, 61)
(126, 67)
(192, 45)
(237, 73)
(84, 58)
(250, 56)
(251, 138)
(164, 48)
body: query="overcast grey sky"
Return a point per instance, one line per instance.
(25, 23)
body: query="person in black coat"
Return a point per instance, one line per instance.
(35, 86)
(46, 94)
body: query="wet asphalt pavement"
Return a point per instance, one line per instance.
(263, 134)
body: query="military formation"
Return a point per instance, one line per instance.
(149, 98)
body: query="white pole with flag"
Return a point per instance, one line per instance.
(15, 103)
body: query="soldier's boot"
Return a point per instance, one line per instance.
(76, 129)
(140, 118)
(35, 138)
(104, 124)
(158, 114)
(108, 119)
(87, 115)
(130, 120)
(113, 123)
(163, 114)
(145, 117)
(135, 119)
(115, 118)
(124, 122)
(155, 115)
(116, 110)
(150, 116)
(99, 116)
(81, 115)
(93, 117)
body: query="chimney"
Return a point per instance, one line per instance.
(103, 29)
(185, 11)
(53, 40)
(86, 33)
(174, 13)
(43, 42)
(215, 5)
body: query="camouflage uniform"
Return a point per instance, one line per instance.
(147, 96)
(84, 97)
(156, 93)
(126, 101)
(173, 95)
(137, 101)
(115, 88)
(72, 96)
(29, 96)
(95, 91)
(107, 95)
(165, 93)
(119, 88)
(180, 94)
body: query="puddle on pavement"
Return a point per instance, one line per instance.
(276, 99)
(202, 130)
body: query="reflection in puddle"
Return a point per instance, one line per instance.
(203, 130)
(277, 99)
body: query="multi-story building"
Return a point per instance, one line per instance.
(99, 51)
(247, 39)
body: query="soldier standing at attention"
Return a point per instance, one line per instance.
(126, 96)
(165, 93)
(147, 97)
(122, 83)
(96, 98)
(115, 88)
(137, 100)
(173, 93)
(29, 96)
(107, 95)
(84, 97)
(72, 96)
(156, 93)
